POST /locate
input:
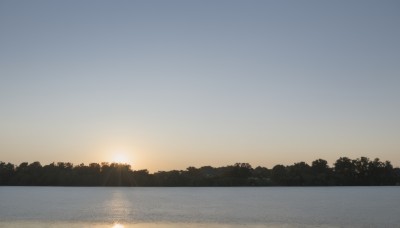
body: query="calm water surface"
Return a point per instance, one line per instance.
(200, 207)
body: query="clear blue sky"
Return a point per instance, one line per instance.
(172, 84)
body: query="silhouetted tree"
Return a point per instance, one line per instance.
(142, 178)
(360, 171)
(345, 171)
(299, 174)
(7, 172)
(279, 175)
(321, 173)
(261, 176)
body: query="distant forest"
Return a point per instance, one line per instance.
(345, 172)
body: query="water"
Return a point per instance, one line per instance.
(200, 207)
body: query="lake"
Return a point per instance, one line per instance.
(123, 207)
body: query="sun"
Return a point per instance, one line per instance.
(117, 225)
(120, 157)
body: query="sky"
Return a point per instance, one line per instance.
(170, 84)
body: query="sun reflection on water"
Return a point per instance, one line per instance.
(118, 225)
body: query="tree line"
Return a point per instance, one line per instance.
(345, 172)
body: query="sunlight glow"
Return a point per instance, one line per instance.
(117, 225)
(120, 157)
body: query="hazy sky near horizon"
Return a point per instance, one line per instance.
(172, 84)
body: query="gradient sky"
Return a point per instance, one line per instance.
(172, 84)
